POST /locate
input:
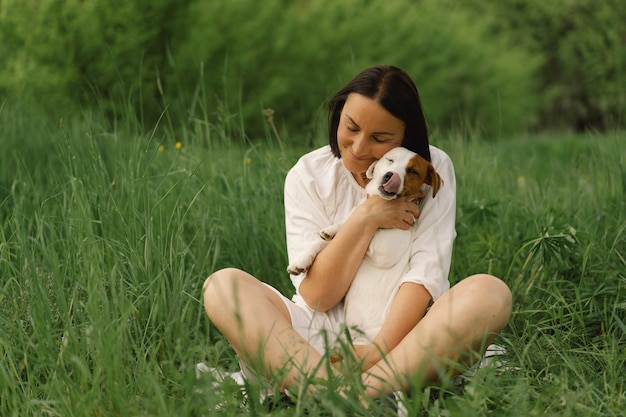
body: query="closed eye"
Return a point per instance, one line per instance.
(411, 171)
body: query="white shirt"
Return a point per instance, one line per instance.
(320, 191)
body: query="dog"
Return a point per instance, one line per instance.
(400, 173)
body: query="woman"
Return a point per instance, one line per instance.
(429, 325)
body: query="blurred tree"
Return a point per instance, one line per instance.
(582, 44)
(224, 62)
(64, 52)
(292, 55)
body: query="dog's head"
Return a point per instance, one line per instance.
(401, 173)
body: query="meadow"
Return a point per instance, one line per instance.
(108, 233)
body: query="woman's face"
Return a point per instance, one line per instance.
(366, 132)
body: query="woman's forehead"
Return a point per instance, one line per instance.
(369, 113)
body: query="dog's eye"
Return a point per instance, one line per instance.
(390, 160)
(411, 171)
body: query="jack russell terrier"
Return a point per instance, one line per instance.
(400, 173)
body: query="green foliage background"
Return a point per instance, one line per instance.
(498, 67)
(108, 233)
(582, 46)
(108, 230)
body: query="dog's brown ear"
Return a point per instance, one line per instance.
(433, 179)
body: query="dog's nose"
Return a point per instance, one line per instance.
(391, 183)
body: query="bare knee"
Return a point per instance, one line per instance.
(212, 280)
(495, 295)
(227, 292)
(220, 287)
(222, 274)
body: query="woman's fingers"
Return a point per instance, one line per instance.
(392, 214)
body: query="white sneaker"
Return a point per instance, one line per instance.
(491, 356)
(218, 375)
(401, 409)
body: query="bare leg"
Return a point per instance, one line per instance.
(256, 322)
(464, 320)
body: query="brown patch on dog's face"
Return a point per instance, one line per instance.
(419, 171)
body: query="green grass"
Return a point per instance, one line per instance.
(105, 242)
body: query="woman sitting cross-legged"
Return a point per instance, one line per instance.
(430, 328)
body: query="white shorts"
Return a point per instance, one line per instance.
(320, 329)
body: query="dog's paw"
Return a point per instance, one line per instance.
(300, 265)
(328, 233)
(304, 262)
(295, 269)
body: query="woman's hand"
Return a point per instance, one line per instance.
(367, 355)
(389, 214)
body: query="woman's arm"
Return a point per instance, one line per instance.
(331, 274)
(408, 308)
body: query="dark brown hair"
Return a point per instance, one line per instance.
(396, 92)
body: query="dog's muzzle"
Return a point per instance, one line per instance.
(391, 184)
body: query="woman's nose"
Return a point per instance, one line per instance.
(359, 145)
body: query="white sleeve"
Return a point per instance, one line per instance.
(304, 216)
(431, 251)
